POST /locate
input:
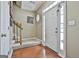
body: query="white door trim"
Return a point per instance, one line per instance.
(65, 32)
(43, 30)
(51, 6)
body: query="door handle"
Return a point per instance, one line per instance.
(3, 35)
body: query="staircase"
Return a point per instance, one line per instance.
(26, 42)
(17, 31)
(18, 41)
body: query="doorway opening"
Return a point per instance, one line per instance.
(59, 21)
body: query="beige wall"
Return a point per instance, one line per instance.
(29, 30)
(73, 31)
(39, 25)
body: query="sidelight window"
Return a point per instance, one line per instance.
(61, 27)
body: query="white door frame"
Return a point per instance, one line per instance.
(43, 27)
(65, 30)
(0, 27)
(43, 30)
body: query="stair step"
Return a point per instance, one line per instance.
(26, 43)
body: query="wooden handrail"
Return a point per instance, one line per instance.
(18, 26)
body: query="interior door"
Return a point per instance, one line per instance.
(4, 27)
(51, 28)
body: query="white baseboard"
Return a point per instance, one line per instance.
(61, 55)
(43, 43)
(10, 54)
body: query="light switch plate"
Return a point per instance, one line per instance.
(71, 22)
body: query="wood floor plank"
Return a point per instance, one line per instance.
(38, 51)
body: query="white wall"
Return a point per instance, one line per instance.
(73, 31)
(29, 30)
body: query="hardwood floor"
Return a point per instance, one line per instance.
(35, 52)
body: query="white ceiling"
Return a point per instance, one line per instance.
(31, 5)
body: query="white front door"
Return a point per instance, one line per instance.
(51, 28)
(4, 28)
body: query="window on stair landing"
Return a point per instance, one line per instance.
(30, 19)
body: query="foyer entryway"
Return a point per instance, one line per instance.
(37, 51)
